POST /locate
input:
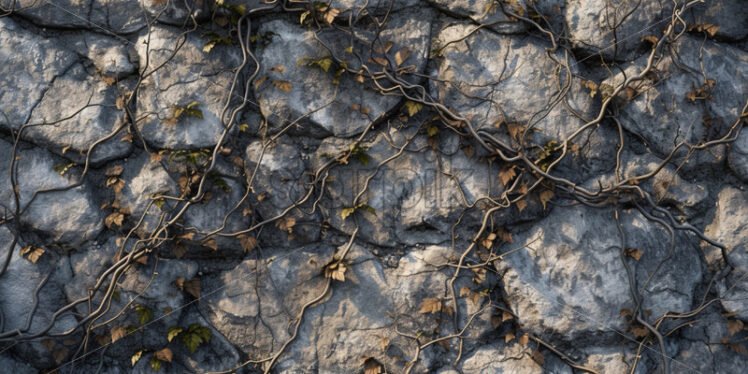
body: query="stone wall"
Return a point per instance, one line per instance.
(380, 186)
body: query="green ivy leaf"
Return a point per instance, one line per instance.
(155, 364)
(368, 208)
(144, 314)
(191, 340)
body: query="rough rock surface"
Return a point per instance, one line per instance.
(383, 186)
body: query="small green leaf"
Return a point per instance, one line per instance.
(144, 314)
(363, 158)
(303, 61)
(368, 208)
(325, 63)
(243, 127)
(432, 130)
(135, 357)
(173, 332)
(346, 212)
(348, 50)
(303, 17)
(155, 364)
(191, 341)
(62, 168)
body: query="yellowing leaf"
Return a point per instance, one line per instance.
(430, 305)
(412, 107)
(545, 197)
(173, 332)
(155, 364)
(304, 16)
(136, 357)
(208, 46)
(401, 56)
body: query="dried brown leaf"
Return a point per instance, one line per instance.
(465, 291)
(521, 205)
(634, 253)
(507, 173)
(508, 337)
(336, 271)
(401, 56)
(192, 287)
(545, 197)
(179, 250)
(286, 224)
(734, 326)
(371, 366)
(114, 219)
(211, 243)
(538, 357)
(524, 339)
(430, 305)
(284, 86)
(247, 242)
(59, 355)
(117, 333)
(639, 331)
(164, 355)
(650, 38)
(49, 344)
